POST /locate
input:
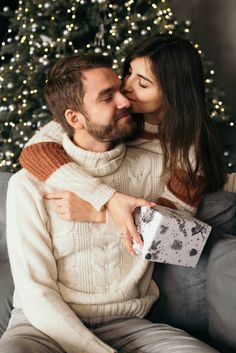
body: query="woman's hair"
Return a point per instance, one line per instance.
(186, 127)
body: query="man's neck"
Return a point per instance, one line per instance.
(83, 140)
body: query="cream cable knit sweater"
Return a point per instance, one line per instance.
(96, 192)
(70, 273)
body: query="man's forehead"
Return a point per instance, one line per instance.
(100, 79)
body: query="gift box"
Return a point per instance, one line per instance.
(170, 236)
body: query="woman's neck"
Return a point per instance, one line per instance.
(152, 118)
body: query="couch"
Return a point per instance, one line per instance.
(182, 301)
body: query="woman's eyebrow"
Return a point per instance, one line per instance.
(145, 78)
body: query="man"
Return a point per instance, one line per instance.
(77, 289)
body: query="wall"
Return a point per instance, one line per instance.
(214, 29)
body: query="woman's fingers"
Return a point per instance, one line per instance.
(142, 202)
(133, 231)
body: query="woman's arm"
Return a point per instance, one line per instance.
(179, 194)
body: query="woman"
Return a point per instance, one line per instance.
(163, 78)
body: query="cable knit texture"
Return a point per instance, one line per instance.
(68, 274)
(45, 158)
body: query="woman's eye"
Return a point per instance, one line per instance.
(142, 85)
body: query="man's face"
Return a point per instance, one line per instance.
(106, 110)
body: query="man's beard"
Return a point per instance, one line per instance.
(112, 132)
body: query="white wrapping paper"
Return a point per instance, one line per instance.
(170, 236)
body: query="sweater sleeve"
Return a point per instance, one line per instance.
(34, 272)
(178, 195)
(177, 192)
(45, 158)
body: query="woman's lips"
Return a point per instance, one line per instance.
(130, 99)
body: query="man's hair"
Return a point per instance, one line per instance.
(64, 88)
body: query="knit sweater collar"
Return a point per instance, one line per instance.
(97, 163)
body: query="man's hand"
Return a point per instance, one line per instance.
(121, 208)
(72, 208)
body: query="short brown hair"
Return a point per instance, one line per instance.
(64, 89)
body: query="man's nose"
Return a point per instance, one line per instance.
(122, 101)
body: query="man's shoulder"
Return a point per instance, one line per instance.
(23, 176)
(23, 180)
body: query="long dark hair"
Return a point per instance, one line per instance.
(186, 126)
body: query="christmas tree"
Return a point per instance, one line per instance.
(41, 32)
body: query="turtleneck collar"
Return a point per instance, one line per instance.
(150, 128)
(97, 163)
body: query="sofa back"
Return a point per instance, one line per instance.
(6, 283)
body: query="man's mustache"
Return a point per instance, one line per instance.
(122, 113)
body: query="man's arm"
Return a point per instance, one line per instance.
(35, 272)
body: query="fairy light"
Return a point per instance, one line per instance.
(161, 19)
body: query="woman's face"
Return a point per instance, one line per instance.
(143, 91)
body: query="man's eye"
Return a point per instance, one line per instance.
(107, 99)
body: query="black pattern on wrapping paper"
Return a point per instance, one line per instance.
(153, 250)
(177, 244)
(193, 252)
(148, 215)
(199, 229)
(181, 223)
(164, 228)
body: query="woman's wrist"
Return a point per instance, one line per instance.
(100, 217)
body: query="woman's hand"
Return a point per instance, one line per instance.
(72, 208)
(121, 208)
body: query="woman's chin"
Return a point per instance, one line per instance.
(134, 108)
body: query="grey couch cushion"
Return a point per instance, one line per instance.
(182, 302)
(6, 284)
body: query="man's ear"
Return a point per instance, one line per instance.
(74, 119)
